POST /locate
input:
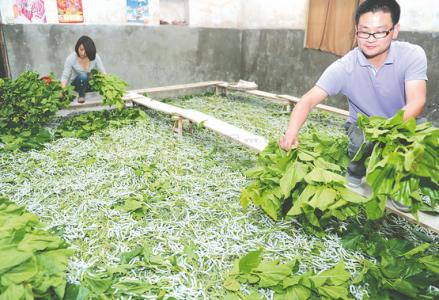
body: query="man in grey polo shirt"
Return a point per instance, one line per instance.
(379, 77)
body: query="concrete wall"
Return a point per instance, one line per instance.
(144, 56)
(277, 61)
(153, 56)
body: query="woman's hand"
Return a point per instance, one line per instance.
(289, 141)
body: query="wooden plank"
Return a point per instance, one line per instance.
(157, 105)
(287, 99)
(269, 96)
(429, 221)
(319, 106)
(84, 109)
(238, 86)
(237, 134)
(177, 87)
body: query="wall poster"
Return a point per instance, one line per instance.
(138, 11)
(70, 11)
(29, 11)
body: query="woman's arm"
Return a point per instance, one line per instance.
(67, 72)
(99, 64)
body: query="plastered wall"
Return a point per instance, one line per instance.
(417, 15)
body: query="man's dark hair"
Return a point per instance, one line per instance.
(374, 6)
(89, 46)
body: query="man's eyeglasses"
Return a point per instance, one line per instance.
(377, 35)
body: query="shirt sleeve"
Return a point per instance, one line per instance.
(67, 72)
(333, 78)
(417, 65)
(99, 64)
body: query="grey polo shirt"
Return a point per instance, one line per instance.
(73, 67)
(374, 92)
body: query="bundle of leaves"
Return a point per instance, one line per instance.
(304, 182)
(110, 87)
(399, 271)
(84, 125)
(33, 262)
(284, 280)
(403, 165)
(26, 104)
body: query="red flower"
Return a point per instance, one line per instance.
(47, 79)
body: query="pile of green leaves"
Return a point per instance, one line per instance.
(305, 182)
(108, 283)
(403, 165)
(33, 262)
(110, 87)
(84, 125)
(401, 271)
(284, 280)
(26, 104)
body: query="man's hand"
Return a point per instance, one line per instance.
(289, 141)
(298, 116)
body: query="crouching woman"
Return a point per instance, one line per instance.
(78, 66)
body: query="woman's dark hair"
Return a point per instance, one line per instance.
(390, 6)
(89, 46)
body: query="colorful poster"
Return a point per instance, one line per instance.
(70, 11)
(138, 11)
(29, 11)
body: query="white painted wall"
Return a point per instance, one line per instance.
(95, 11)
(290, 14)
(417, 15)
(174, 10)
(215, 13)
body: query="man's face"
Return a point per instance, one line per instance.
(380, 23)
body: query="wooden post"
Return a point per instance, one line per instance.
(220, 91)
(178, 124)
(190, 127)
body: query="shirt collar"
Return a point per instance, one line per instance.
(390, 59)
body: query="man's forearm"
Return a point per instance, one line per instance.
(416, 97)
(298, 117)
(413, 110)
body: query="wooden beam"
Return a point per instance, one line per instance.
(270, 96)
(285, 99)
(157, 105)
(319, 106)
(177, 87)
(239, 135)
(84, 108)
